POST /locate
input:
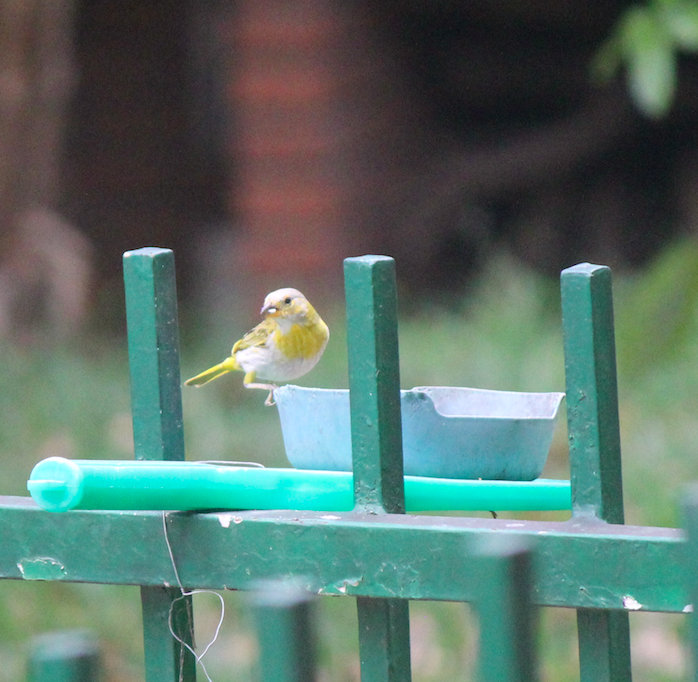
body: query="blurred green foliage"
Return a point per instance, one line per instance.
(506, 334)
(647, 41)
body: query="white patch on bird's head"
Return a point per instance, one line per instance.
(285, 302)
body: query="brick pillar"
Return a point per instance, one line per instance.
(321, 124)
(287, 140)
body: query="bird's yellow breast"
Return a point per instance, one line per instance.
(302, 342)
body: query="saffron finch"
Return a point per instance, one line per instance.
(286, 345)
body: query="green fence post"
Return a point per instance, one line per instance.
(376, 432)
(283, 615)
(153, 351)
(69, 656)
(690, 524)
(156, 404)
(594, 439)
(503, 576)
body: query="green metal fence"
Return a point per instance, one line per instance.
(375, 553)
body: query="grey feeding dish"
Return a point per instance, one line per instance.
(446, 432)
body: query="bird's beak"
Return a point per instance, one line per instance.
(269, 310)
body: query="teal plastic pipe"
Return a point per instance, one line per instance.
(59, 484)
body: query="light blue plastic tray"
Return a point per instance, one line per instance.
(447, 432)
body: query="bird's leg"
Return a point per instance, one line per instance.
(267, 387)
(248, 382)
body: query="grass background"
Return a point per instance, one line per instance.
(73, 401)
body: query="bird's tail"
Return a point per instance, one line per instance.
(228, 365)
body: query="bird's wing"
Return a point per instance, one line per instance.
(255, 337)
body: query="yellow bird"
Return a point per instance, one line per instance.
(286, 345)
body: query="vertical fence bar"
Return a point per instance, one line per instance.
(69, 656)
(374, 382)
(153, 350)
(690, 523)
(156, 404)
(166, 659)
(503, 575)
(287, 648)
(384, 640)
(594, 439)
(592, 392)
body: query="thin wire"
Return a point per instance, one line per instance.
(188, 593)
(169, 550)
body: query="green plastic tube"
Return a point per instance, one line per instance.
(58, 484)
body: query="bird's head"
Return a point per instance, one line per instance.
(286, 304)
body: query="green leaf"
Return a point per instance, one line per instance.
(681, 20)
(651, 61)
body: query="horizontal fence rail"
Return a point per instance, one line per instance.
(577, 564)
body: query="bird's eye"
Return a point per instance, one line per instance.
(287, 300)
